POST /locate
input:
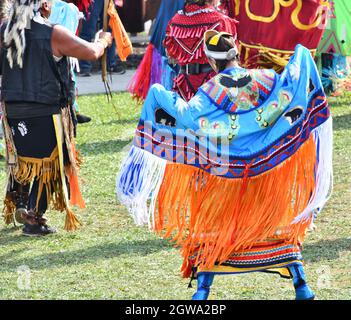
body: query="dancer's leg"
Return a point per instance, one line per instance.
(302, 289)
(204, 282)
(19, 195)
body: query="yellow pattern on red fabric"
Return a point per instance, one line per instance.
(294, 16)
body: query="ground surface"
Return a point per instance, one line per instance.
(110, 258)
(94, 85)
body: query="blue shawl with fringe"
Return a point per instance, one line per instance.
(240, 123)
(249, 158)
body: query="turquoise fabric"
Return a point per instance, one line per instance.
(65, 14)
(253, 119)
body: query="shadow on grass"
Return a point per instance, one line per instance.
(10, 235)
(10, 255)
(102, 147)
(7, 234)
(86, 255)
(342, 122)
(119, 122)
(325, 250)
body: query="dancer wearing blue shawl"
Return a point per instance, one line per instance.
(233, 177)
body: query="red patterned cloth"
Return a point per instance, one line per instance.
(184, 42)
(271, 256)
(269, 30)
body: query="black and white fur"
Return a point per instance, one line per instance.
(19, 18)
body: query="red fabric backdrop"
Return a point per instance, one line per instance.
(278, 24)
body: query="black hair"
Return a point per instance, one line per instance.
(224, 44)
(198, 2)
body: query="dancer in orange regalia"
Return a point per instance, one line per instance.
(233, 176)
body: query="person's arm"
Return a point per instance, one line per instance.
(64, 43)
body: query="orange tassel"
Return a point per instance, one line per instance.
(123, 43)
(9, 210)
(76, 197)
(71, 222)
(212, 217)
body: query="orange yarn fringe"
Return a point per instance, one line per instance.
(76, 197)
(211, 217)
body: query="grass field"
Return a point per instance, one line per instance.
(110, 258)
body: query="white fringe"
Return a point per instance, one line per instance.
(138, 183)
(323, 136)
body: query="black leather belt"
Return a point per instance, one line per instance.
(195, 68)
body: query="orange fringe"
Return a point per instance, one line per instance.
(71, 222)
(9, 211)
(124, 46)
(76, 197)
(211, 217)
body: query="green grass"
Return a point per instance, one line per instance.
(110, 258)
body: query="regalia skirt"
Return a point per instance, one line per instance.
(42, 150)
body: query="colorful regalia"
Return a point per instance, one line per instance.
(269, 30)
(337, 35)
(184, 44)
(39, 128)
(233, 176)
(154, 67)
(335, 47)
